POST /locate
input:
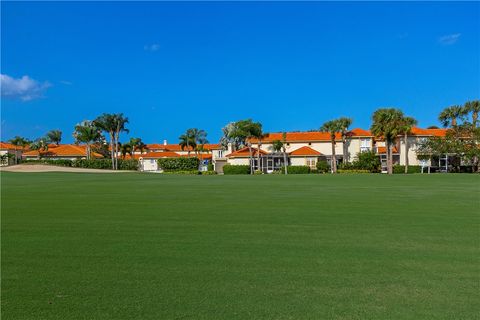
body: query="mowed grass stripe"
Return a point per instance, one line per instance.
(144, 246)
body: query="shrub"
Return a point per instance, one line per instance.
(367, 161)
(353, 171)
(178, 164)
(411, 169)
(298, 169)
(323, 166)
(94, 163)
(195, 172)
(210, 166)
(208, 173)
(236, 169)
(58, 162)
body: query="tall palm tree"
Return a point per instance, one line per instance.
(55, 136)
(332, 127)
(138, 145)
(407, 124)
(387, 123)
(345, 123)
(86, 132)
(187, 141)
(449, 116)
(106, 122)
(21, 142)
(473, 107)
(126, 148)
(120, 126)
(284, 149)
(250, 130)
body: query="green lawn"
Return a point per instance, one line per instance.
(149, 246)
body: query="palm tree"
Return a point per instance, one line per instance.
(126, 148)
(40, 144)
(138, 144)
(407, 125)
(473, 107)
(332, 127)
(55, 136)
(387, 123)
(19, 142)
(345, 123)
(120, 122)
(259, 136)
(106, 122)
(449, 116)
(280, 146)
(250, 130)
(86, 132)
(187, 141)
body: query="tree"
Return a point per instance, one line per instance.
(332, 127)
(41, 145)
(126, 148)
(449, 116)
(87, 132)
(247, 130)
(114, 124)
(407, 124)
(473, 107)
(345, 123)
(280, 146)
(138, 145)
(187, 141)
(21, 142)
(55, 136)
(387, 124)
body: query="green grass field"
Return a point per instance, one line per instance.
(148, 246)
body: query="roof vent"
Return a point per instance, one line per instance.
(164, 142)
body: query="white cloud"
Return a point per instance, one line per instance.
(24, 88)
(151, 47)
(449, 39)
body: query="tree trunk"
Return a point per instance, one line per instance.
(16, 157)
(258, 156)
(389, 158)
(250, 158)
(116, 150)
(406, 152)
(454, 122)
(333, 161)
(345, 151)
(285, 160)
(111, 150)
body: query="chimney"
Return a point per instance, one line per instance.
(164, 142)
(229, 148)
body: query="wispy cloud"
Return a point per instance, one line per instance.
(449, 39)
(65, 82)
(151, 47)
(24, 88)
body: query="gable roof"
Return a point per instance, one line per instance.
(382, 150)
(63, 150)
(429, 132)
(245, 153)
(6, 145)
(305, 151)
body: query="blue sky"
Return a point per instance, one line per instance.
(292, 66)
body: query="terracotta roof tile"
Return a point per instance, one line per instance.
(244, 153)
(305, 151)
(63, 150)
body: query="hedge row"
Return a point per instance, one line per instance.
(178, 164)
(236, 169)
(298, 169)
(411, 169)
(89, 164)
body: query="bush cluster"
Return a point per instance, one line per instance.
(411, 169)
(298, 169)
(323, 166)
(89, 164)
(236, 169)
(179, 164)
(363, 161)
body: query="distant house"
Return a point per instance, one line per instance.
(307, 148)
(62, 151)
(8, 152)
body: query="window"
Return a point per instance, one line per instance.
(220, 153)
(365, 145)
(312, 163)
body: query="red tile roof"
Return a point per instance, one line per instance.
(177, 147)
(358, 132)
(63, 150)
(381, 150)
(298, 136)
(6, 145)
(305, 151)
(245, 153)
(156, 155)
(429, 132)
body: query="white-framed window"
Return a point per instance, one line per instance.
(311, 162)
(365, 145)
